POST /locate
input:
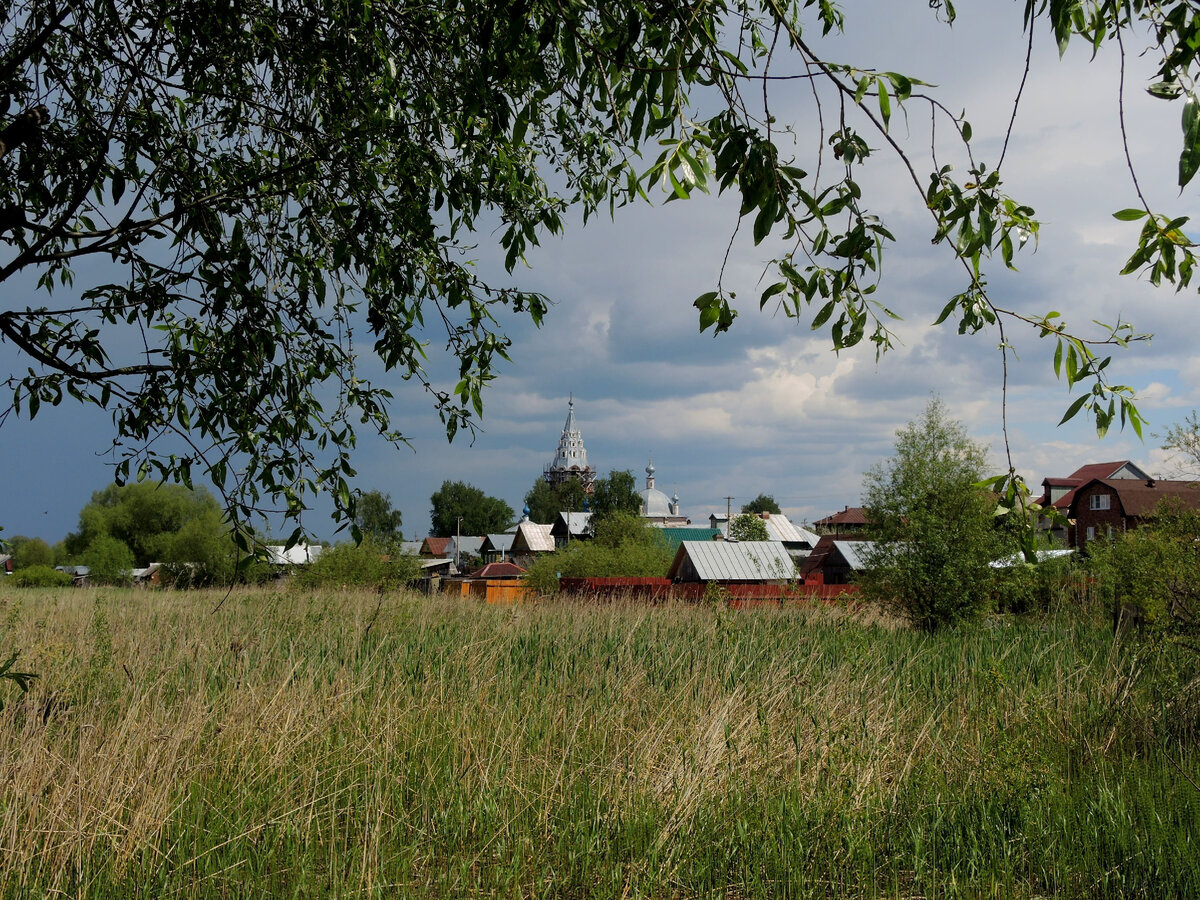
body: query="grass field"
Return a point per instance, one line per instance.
(319, 745)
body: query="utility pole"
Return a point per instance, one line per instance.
(457, 540)
(728, 508)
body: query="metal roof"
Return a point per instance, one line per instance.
(857, 554)
(297, 555)
(781, 528)
(501, 543)
(467, 546)
(1018, 559)
(533, 537)
(735, 560)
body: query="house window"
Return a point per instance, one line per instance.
(1098, 501)
(1091, 532)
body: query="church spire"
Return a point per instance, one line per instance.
(571, 459)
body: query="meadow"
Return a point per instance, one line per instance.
(308, 744)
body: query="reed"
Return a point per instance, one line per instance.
(280, 747)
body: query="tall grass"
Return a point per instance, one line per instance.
(280, 747)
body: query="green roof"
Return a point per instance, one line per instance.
(676, 536)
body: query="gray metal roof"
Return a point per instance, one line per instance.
(735, 560)
(534, 537)
(781, 528)
(467, 546)
(500, 542)
(856, 553)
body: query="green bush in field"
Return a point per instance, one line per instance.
(624, 545)
(369, 564)
(1155, 569)
(38, 576)
(935, 529)
(1037, 588)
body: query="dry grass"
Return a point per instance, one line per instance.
(559, 749)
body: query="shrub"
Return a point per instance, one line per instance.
(368, 564)
(39, 576)
(1156, 569)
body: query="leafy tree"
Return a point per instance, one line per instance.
(216, 201)
(156, 522)
(624, 545)
(1182, 440)
(480, 513)
(616, 492)
(935, 531)
(376, 519)
(748, 527)
(546, 501)
(109, 560)
(27, 552)
(763, 503)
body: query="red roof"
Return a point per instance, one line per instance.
(1078, 478)
(851, 515)
(435, 546)
(1141, 498)
(499, 570)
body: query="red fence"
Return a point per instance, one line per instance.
(737, 594)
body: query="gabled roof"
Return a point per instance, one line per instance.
(829, 547)
(573, 523)
(435, 546)
(857, 554)
(851, 515)
(1141, 498)
(465, 546)
(734, 560)
(1084, 474)
(410, 548)
(498, 543)
(498, 570)
(781, 528)
(533, 538)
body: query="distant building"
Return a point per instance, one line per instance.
(657, 507)
(851, 520)
(571, 459)
(1059, 492)
(1104, 507)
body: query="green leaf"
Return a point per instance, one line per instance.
(1130, 215)
(1073, 409)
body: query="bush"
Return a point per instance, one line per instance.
(368, 564)
(39, 576)
(1040, 588)
(624, 545)
(1156, 570)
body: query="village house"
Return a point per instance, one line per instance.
(850, 521)
(1104, 507)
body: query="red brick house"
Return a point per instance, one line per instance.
(1104, 507)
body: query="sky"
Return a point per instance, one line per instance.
(769, 407)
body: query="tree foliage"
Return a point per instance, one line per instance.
(216, 206)
(934, 527)
(375, 518)
(545, 501)
(1153, 569)
(155, 522)
(28, 552)
(763, 503)
(614, 493)
(369, 564)
(1182, 441)
(479, 513)
(623, 545)
(748, 527)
